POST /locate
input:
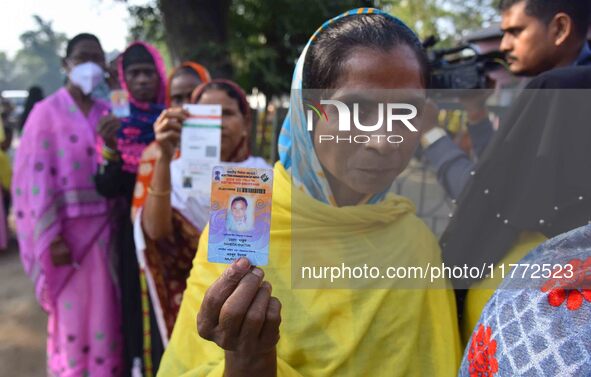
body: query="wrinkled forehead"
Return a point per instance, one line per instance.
(397, 71)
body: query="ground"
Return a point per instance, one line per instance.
(22, 322)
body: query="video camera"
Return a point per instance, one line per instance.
(461, 67)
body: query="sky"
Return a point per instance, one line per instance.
(107, 19)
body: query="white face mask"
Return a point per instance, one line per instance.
(87, 76)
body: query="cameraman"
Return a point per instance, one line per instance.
(538, 35)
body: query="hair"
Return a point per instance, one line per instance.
(184, 70)
(8, 133)
(327, 54)
(231, 89)
(239, 199)
(544, 10)
(35, 95)
(79, 38)
(136, 54)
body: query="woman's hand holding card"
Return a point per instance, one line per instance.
(239, 314)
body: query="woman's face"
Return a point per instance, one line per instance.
(369, 77)
(85, 50)
(181, 88)
(233, 122)
(238, 210)
(142, 81)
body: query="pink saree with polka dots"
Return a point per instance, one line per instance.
(54, 196)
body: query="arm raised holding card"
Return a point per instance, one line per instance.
(110, 180)
(157, 208)
(240, 315)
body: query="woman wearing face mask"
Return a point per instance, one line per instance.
(328, 202)
(168, 227)
(64, 227)
(142, 75)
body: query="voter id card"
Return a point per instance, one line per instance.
(201, 142)
(120, 103)
(240, 216)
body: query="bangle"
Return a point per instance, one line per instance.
(158, 193)
(109, 150)
(109, 154)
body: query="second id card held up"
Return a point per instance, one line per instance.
(200, 146)
(240, 216)
(120, 103)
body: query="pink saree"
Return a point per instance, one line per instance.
(54, 195)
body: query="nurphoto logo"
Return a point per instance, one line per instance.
(394, 112)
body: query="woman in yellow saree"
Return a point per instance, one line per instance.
(329, 200)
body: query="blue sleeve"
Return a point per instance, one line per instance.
(452, 165)
(481, 134)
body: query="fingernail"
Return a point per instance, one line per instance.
(267, 285)
(258, 272)
(243, 263)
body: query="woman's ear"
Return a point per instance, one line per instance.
(247, 124)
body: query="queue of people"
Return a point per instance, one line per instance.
(117, 248)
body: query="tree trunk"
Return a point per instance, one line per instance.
(197, 30)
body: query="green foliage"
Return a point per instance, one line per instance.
(38, 62)
(449, 20)
(146, 25)
(6, 72)
(265, 37)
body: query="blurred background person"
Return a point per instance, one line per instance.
(7, 112)
(64, 226)
(35, 95)
(530, 185)
(182, 81)
(5, 183)
(538, 35)
(142, 74)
